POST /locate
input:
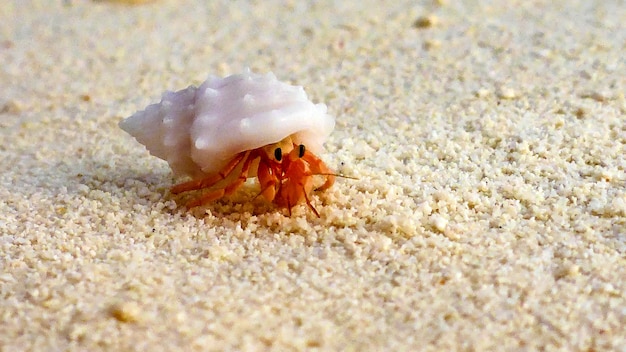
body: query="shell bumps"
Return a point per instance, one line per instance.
(236, 127)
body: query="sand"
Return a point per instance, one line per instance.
(488, 213)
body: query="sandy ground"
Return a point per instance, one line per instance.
(489, 213)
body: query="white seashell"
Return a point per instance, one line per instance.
(198, 130)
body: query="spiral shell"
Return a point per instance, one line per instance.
(197, 130)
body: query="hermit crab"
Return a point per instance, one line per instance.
(230, 129)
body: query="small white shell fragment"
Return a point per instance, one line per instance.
(197, 130)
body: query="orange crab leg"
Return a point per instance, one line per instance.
(211, 180)
(229, 189)
(308, 202)
(318, 167)
(268, 179)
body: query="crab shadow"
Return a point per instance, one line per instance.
(246, 202)
(80, 178)
(152, 187)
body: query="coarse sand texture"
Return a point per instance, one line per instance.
(486, 140)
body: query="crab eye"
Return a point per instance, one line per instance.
(278, 154)
(301, 151)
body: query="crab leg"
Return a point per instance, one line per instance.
(211, 180)
(268, 179)
(308, 202)
(318, 167)
(229, 189)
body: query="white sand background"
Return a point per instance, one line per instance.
(489, 213)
